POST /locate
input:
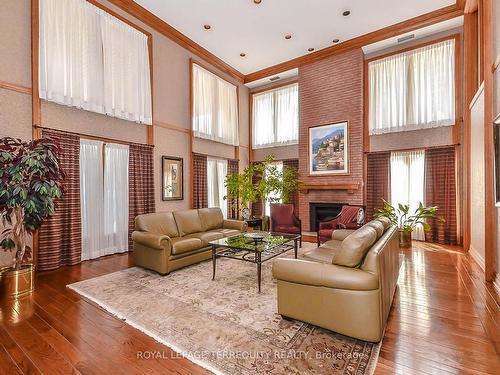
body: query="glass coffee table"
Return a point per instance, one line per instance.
(254, 247)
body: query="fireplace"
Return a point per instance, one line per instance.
(322, 212)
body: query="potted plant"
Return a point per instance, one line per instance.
(30, 181)
(407, 222)
(259, 180)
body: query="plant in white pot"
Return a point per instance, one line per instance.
(406, 222)
(30, 182)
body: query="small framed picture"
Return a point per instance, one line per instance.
(172, 178)
(329, 149)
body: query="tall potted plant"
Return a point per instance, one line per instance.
(259, 180)
(30, 181)
(406, 221)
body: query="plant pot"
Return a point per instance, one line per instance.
(404, 239)
(17, 283)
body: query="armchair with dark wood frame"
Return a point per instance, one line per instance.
(346, 219)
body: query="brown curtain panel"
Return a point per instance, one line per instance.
(256, 206)
(294, 197)
(141, 184)
(233, 207)
(200, 187)
(378, 182)
(60, 237)
(440, 190)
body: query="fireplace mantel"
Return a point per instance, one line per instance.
(350, 187)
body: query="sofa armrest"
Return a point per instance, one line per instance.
(155, 241)
(323, 275)
(234, 224)
(341, 234)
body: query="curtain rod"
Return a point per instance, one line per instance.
(411, 149)
(94, 137)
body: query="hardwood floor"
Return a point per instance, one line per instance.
(444, 320)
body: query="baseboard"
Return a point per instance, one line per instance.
(477, 257)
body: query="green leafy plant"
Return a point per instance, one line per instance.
(406, 221)
(30, 181)
(260, 180)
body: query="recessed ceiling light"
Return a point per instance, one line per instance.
(257, 1)
(243, 54)
(288, 36)
(207, 27)
(274, 78)
(335, 40)
(310, 49)
(345, 13)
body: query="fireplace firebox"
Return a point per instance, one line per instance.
(322, 212)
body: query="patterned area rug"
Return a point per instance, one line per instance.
(225, 325)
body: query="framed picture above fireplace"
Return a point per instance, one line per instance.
(329, 149)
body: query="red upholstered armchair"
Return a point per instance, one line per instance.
(347, 219)
(283, 220)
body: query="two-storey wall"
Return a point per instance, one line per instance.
(331, 91)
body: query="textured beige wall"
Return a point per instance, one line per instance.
(281, 153)
(15, 114)
(412, 139)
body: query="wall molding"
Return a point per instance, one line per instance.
(176, 128)
(14, 87)
(477, 257)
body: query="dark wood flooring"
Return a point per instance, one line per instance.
(444, 320)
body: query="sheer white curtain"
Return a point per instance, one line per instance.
(407, 182)
(116, 198)
(215, 107)
(413, 90)
(216, 175)
(70, 54)
(91, 198)
(127, 81)
(275, 117)
(92, 60)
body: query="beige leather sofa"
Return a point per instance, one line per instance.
(347, 284)
(166, 241)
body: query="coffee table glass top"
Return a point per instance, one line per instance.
(269, 241)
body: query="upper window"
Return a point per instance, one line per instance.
(92, 60)
(215, 107)
(413, 90)
(275, 117)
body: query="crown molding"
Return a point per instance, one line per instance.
(424, 20)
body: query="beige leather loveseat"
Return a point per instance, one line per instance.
(166, 241)
(346, 285)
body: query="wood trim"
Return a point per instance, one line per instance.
(14, 87)
(176, 128)
(458, 91)
(470, 83)
(270, 87)
(250, 129)
(470, 6)
(496, 64)
(191, 174)
(165, 29)
(476, 95)
(490, 228)
(427, 19)
(414, 149)
(350, 187)
(150, 130)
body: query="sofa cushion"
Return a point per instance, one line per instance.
(321, 255)
(378, 226)
(355, 246)
(332, 244)
(206, 237)
(181, 245)
(188, 221)
(158, 222)
(211, 218)
(385, 221)
(228, 232)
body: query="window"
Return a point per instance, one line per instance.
(273, 197)
(407, 182)
(215, 107)
(216, 187)
(275, 117)
(413, 90)
(104, 198)
(92, 60)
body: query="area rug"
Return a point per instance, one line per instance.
(225, 325)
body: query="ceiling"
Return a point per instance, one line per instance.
(240, 26)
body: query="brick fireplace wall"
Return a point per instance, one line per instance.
(331, 91)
